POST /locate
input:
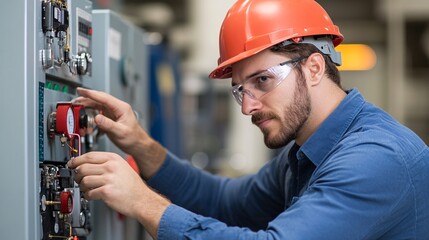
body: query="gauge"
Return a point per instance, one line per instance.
(66, 202)
(70, 122)
(65, 120)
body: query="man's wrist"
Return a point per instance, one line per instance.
(150, 157)
(151, 211)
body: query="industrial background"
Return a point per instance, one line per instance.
(156, 55)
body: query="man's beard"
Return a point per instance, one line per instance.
(294, 117)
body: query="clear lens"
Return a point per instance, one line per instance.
(263, 82)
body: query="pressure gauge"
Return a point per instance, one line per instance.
(66, 202)
(65, 120)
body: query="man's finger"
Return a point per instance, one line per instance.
(87, 102)
(104, 99)
(87, 169)
(91, 182)
(91, 157)
(93, 194)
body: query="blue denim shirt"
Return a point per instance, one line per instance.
(360, 175)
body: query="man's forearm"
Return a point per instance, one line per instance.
(149, 157)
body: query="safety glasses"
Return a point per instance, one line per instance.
(263, 82)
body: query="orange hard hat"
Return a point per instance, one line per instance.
(251, 26)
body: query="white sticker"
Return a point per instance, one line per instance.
(83, 41)
(84, 14)
(115, 39)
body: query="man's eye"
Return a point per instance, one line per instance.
(262, 79)
(263, 82)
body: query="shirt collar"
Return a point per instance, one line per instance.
(329, 133)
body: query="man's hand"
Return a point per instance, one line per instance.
(119, 122)
(117, 118)
(108, 177)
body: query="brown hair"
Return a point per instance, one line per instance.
(296, 50)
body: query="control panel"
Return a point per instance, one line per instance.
(66, 129)
(47, 52)
(67, 33)
(64, 212)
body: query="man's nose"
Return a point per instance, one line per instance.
(250, 104)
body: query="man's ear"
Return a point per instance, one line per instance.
(316, 68)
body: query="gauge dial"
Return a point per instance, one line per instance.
(65, 120)
(70, 122)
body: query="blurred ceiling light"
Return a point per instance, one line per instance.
(356, 57)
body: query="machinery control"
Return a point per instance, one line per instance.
(73, 122)
(55, 24)
(66, 202)
(62, 206)
(83, 63)
(53, 55)
(65, 122)
(57, 54)
(64, 212)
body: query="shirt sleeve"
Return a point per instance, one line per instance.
(220, 197)
(179, 223)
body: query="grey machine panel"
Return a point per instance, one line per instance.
(46, 52)
(46, 56)
(120, 65)
(64, 37)
(120, 69)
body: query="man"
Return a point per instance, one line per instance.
(348, 171)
